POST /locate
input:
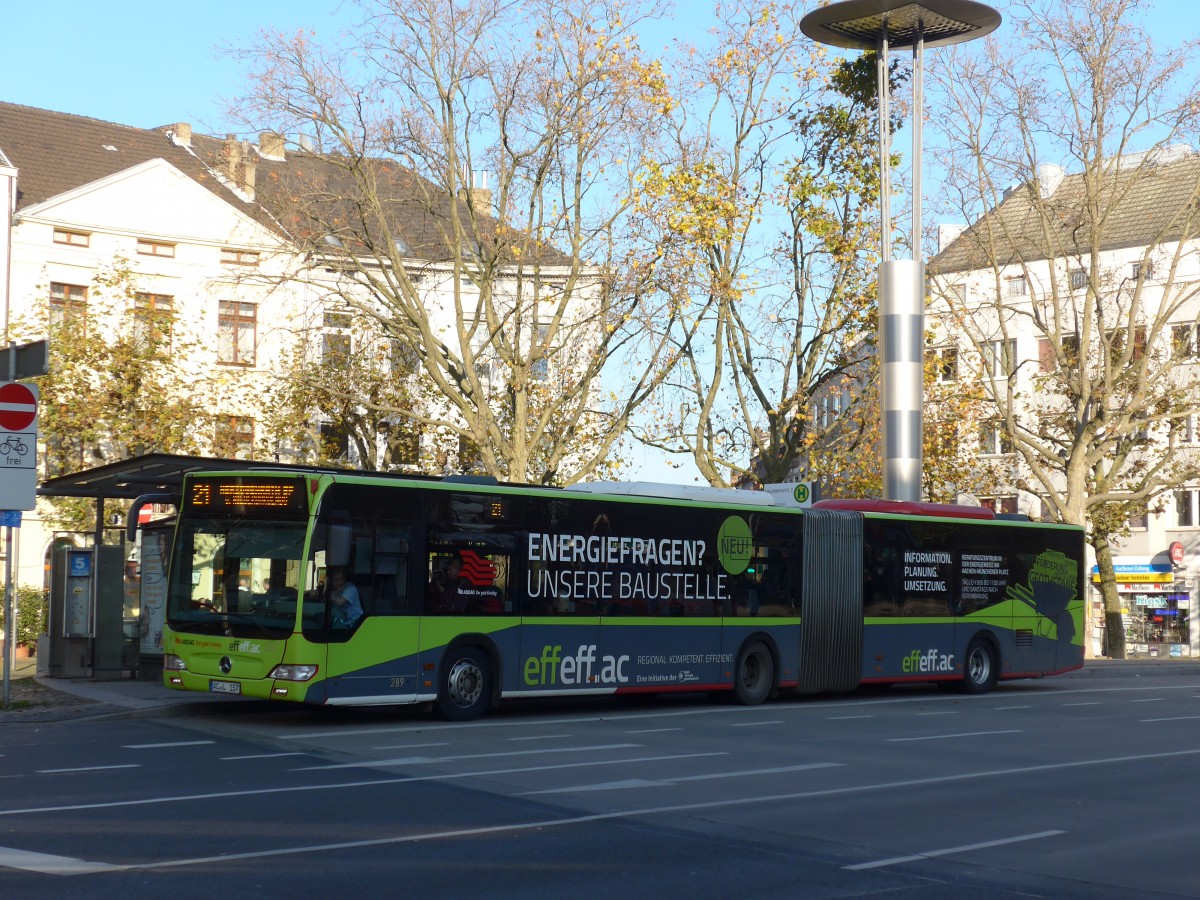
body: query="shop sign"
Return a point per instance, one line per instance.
(1175, 551)
(1140, 577)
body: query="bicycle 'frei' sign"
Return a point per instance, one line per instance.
(18, 445)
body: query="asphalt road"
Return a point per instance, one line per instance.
(1064, 788)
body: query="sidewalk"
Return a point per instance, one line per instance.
(39, 698)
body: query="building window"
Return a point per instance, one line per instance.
(1185, 341)
(1079, 279)
(234, 437)
(540, 369)
(146, 247)
(405, 360)
(1000, 358)
(1184, 430)
(470, 457)
(232, 257)
(74, 238)
(237, 325)
(1116, 341)
(335, 350)
(68, 305)
(1015, 287)
(403, 445)
(1185, 508)
(1137, 269)
(957, 293)
(338, 318)
(335, 441)
(153, 315)
(944, 362)
(994, 440)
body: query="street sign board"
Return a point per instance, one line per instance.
(18, 445)
(25, 360)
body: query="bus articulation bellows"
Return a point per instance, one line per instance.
(465, 591)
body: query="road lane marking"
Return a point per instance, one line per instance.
(259, 756)
(427, 760)
(754, 724)
(938, 737)
(1170, 719)
(341, 786)
(542, 737)
(667, 782)
(409, 746)
(48, 864)
(653, 730)
(965, 848)
(797, 708)
(88, 769)
(225, 859)
(1012, 707)
(165, 745)
(1085, 703)
(844, 718)
(1148, 700)
(946, 712)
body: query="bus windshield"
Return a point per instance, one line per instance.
(237, 578)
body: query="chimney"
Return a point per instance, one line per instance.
(248, 167)
(270, 145)
(181, 134)
(237, 164)
(480, 194)
(1049, 177)
(231, 153)
(947, 234)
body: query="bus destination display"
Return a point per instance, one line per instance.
(249, 497)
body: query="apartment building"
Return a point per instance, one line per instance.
(1074, 303)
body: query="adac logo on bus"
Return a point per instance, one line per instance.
(735, 545)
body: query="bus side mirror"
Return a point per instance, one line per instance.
(337, 549)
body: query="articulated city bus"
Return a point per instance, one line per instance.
(342, 588)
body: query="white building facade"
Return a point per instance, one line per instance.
(1007, 315)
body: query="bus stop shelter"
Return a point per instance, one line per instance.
(87, 633)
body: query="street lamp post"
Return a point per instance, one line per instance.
(881, 25)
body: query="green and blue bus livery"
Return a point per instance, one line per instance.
(472, 591)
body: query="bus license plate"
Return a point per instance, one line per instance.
(225, 687)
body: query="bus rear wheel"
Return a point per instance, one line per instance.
(979, 675)
(754, 675)
(466, 686)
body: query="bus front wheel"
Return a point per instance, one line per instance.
(979, 674)
(466, 686)
(754, 675)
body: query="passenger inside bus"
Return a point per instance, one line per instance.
(347, 608)
(446, 588)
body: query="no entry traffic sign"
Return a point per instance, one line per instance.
(18, 407)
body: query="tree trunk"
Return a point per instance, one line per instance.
(1114, 627)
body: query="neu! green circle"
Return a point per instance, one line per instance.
(734, 545)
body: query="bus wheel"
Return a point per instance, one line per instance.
(466, 688)
(754, 676)
(980, 674)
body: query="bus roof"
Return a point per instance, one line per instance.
(909, 508)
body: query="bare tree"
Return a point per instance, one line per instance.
(1062, 146)
(766, 217)
(516, 296)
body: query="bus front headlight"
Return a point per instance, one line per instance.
(291, 672)
(173, 663)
